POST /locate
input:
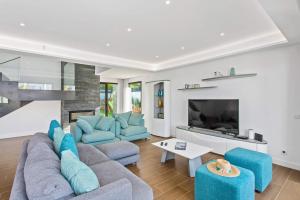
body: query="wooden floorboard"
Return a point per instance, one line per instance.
(169, 181)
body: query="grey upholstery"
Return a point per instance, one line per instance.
(42, 175)
(39, 138)
(90, 155)
(123, 152)
(18, 190)
(38, 175)
(111, 171)
(118, 190)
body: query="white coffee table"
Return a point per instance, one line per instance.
(193, 153)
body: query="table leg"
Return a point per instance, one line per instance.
(166, 155)
(194, 164)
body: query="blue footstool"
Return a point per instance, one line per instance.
(209, 186)
(259, 163)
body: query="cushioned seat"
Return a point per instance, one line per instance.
(259, 163)
(133, 130)
(97, 136)
(124, 152)
(209, 186)
(111, 171)
(90, 155)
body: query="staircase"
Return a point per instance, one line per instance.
(18, 98)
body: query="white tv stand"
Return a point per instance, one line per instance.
(220, 143)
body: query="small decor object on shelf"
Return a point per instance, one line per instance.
(180, 146)
(218, 74)
(232, 71)
(186, 86)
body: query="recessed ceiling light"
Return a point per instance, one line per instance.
(129, 29)
(156, 56)
(182, 48)
(107, 44)
(222, 34)
(168, 2)
(22, 24)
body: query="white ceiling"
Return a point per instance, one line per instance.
(122, 73)
(79, 30)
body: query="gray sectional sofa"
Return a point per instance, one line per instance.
(38, 175)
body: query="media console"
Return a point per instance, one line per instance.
(220, 143)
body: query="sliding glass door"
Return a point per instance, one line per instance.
(108, 98)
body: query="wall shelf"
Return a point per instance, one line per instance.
(229, 77)
(199, 88)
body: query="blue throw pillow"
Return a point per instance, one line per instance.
(122, 121)
(58, 137)
(105, 123)
(92, 120)
(53, 124)
(135, 119)
(85, 126)
(125, 115)
(68, 143)
(81, 178)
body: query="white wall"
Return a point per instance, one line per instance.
(31, 118)
(269, 102)
(120, 93)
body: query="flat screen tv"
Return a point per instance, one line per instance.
(214, 114)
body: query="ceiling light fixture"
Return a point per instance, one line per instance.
(107, 44)
(168, 2)
(222, 34)
(156, 56)
(129, 29)
(22, 24)
(182, 48)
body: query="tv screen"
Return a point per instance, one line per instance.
(215, 114)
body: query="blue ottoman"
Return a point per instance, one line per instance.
(209, 186)
(259, 163)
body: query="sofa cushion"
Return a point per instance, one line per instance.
(42, 175)
(104, 123)
(90, 155)
(111, 171)
(85, 126)
(122, 121)
(53, 124)
(79, 175)
(133, 130)
(135, 119)
(39, 138)
(92, 120)
(58, 138)
(97, 136)
(125, 115)
(68, 143)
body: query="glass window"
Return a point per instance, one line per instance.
(35, 86)
(108, 98)
(136, 96)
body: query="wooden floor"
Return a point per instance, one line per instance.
(169, 181)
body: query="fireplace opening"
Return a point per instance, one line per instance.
(73, 115)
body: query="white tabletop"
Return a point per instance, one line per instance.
(192, 150)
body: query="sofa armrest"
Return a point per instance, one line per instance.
(118, 190)
(76, 132)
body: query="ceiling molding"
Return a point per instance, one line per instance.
(28, 46)
(242, 46)
(75, 55)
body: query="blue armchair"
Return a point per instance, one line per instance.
(97, 136)
(135, 128)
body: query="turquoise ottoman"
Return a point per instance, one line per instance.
(209, 186)
(259, 163)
